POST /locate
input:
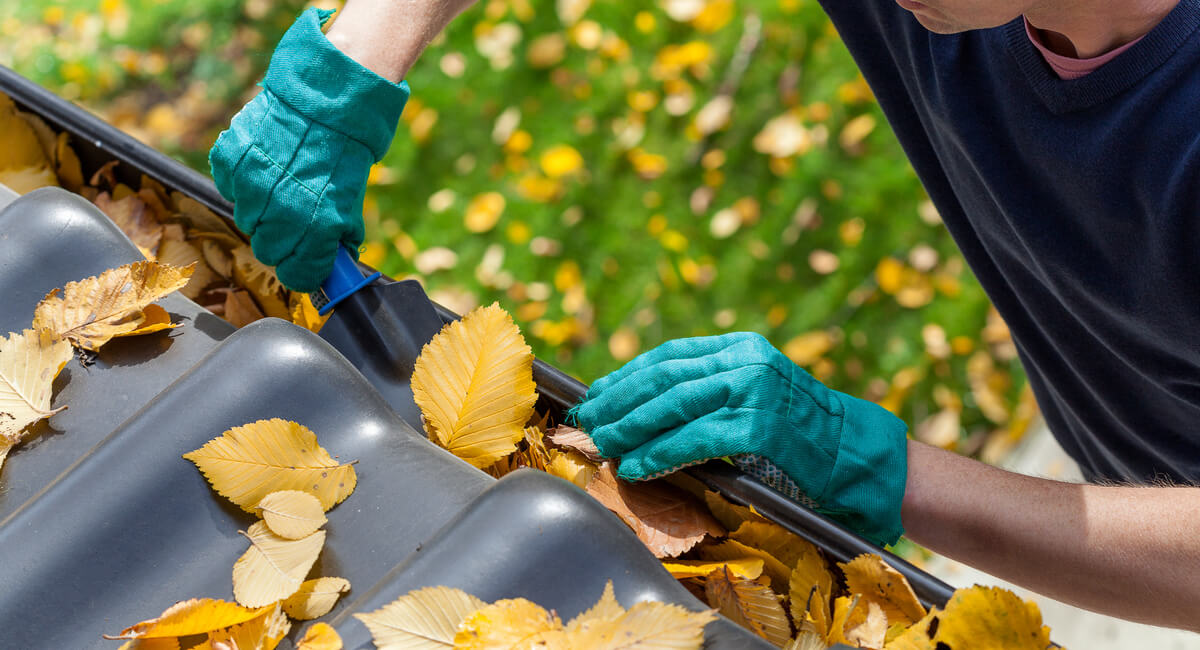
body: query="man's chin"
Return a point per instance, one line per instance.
(939, 26)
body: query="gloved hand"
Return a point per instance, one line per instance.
(295, 160)
(691, 400)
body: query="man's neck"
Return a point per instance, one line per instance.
(1088, 28)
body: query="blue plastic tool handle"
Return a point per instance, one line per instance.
(345, 279)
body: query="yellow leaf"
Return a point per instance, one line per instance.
(249, 462)
(24, 165)
(420, 619)
(91, 311)
(776, 540)
(979, 617)
(305, 314)
(263, 633)
(572, 466)
(646, 626)
(749, 604)
(315, 598)
(29, 362)
(809, 590)
(291, 514)
(474, 384)
(731, 549)
(729, 514)
(870, 631)
(504, 624)
(668, 520)
(273, 568)
(320, 636)
(171, 643)
(67, 166)
(747, 567)
(195, 616)
(605, 609)
(842, 607)
(153, 319)
(807, 638)
(876, 581)
(260, 280)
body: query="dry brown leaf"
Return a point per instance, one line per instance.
(576, 439)
(133, 219)
(572, 466)
(292, 514)
(91, 311)
(200, 218)
(474, 384)
(729, 514)
(274, 567)
(29, 362)
(423, 618)
(240, 308)
(749, 604)
(878, 582)
(180, 253)
(320, 636)
(747, 567)
(249, 462)
(667, 520)
(508, 623)
(216, 253)
(731, 549)
(188, 617)
(315, 598)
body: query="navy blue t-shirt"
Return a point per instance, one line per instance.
(1077, 205)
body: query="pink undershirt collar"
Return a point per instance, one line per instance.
(1069, 67)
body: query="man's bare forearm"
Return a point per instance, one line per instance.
(387, 36)
(1130, 552)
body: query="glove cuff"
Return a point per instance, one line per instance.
(866, 487)
(317, 80)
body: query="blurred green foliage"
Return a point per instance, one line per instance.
(615, 174)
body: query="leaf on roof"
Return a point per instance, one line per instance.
(92, 311)
(474, 384)
(249, 462)
(274, 567)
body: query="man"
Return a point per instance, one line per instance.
(1059, 141)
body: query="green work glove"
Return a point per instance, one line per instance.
(691, 400)
(295, 160)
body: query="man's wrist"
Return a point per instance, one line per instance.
(385, 36)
